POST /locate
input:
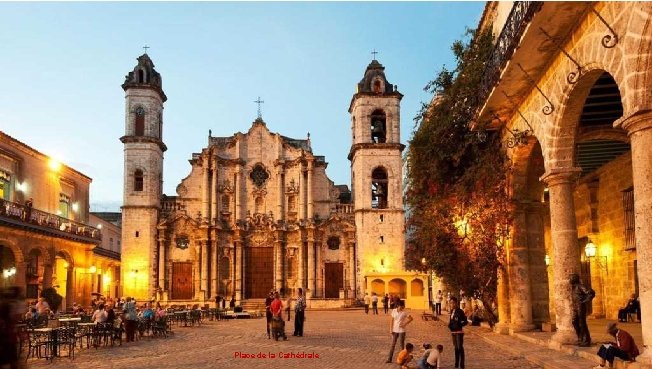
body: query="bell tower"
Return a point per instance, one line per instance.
(143, 178)
(376, 176)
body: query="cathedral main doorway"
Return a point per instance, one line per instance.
(259, 272)
(181, 281)
(334, 279)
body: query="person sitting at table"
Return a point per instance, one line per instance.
(160, 312)
(110, 314)
(631, 307)
(148, 313)
(42, 306)
(100, 315)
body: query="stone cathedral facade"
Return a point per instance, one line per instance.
(258, 212)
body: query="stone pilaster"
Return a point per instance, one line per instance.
(639, 130)
(352, 285)
(214, 270)
(564, 247)
(204, 267)
(205, 186)
(502, 326)
(309, 189)
(237, 283)
(518, 270)
(302, 195)
(278, 265)
(301, 265)
(311, 267)
(214, 215)
(161, 263)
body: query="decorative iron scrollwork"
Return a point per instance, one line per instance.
(515, 107)
(608, 41)
(572, 77)
(519, 17)
(518, 137)
(547, 109)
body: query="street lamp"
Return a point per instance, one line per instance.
(590, 250)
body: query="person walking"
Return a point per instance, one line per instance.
(131, 318)
(268, 311)
(400, 319)
(299, 314)
(367, 301)
(386, 303)
(456, 323)
(438, 299)
(374, 303)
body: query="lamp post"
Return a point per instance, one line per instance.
(424, 264)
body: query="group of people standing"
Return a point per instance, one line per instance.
(431, 358)
(389, 302)
(274, 315)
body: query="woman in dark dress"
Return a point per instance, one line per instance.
(456, 323)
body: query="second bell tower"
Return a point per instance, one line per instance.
(377, 176)
(143, 178)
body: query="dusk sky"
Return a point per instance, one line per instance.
(62, 65)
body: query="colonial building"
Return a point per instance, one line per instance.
(258, 212)
(45, 236)
(568, 85)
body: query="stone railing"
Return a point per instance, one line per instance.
(519, 17)
(30, 216)
(344, 208)
(170, 204)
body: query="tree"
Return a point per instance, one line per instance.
(457, 177)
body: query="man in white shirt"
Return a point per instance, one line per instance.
(434, 358)
(367, 301)
(400, 319)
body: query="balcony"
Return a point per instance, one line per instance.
(17, 215)
(522, 44)
(171, 204)
(343, 209)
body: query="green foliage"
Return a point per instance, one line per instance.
(457, 181)
(53, 298)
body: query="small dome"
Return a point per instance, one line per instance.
(374, 80)
(144, 75)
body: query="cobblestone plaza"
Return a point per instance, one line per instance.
(340, 339)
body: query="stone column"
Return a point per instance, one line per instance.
(319, 277)
(278, 265)
(503, 324)
(204, 266)
(19, 277)
(352, 278)
(311, 266)
(639, 129)
(281, 193)
(310, 189)
(520, 297)
(214, 270)
(302, 195)
(237, 285)
(161, 263)
(301, 272)
(47, 276)
(205, 186)
(214, 196)
(565, 251)
(236, 197)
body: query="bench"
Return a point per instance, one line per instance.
(428, 316)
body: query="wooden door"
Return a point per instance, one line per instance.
(334, 279)
(259, 272)
(182, 281)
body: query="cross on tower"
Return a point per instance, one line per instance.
(259, 101)
(145, 48)
(374, 53)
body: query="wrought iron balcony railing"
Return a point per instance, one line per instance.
(519, 17)
(29, 216)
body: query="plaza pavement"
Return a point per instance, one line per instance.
(341, 339)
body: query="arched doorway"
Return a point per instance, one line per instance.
(63, 278)
(378, 287)
(398, 287)
(7, 267)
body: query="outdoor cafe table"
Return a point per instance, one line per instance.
(53, 333)
(182, 316)
(69, 321)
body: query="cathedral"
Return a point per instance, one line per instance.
(258, 212)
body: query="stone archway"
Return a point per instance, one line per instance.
(398, 287)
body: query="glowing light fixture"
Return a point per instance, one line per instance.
(75, 207)
(590, 249)
(92, 269)
(547, 259)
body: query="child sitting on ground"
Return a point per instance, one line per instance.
(434, 358)
(421, 363)
(405, 356)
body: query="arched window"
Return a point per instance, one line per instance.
(417, 287)
(138, 180)
(258, 205)
(141, 76)
(226, 203)
(378, 127)
(379, 193)
(377, 87)
(140, 122)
